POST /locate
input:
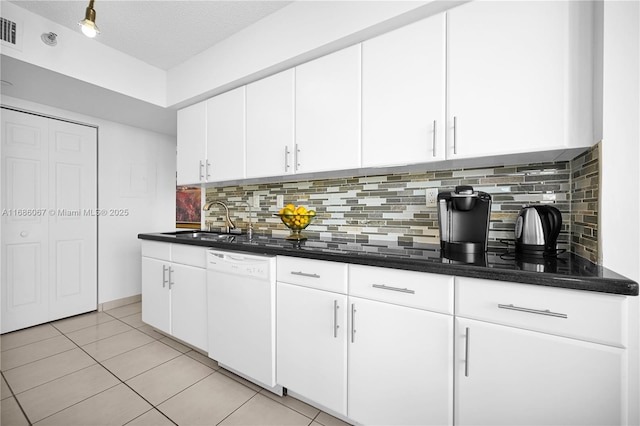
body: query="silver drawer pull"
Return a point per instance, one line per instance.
(386, 287)
(304, 274)
(533, 311)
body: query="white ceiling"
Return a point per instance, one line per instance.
(163, 33)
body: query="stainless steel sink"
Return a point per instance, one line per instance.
(202, 235)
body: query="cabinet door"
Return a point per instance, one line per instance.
(189, 304)
(510, 376)
(400, 365)
(311, 344)
(328, 112)
(403, 95)
(226, 136)
(156, 296)
(192, 142)
(270, 125)
(508, 71)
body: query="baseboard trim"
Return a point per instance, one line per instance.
(119, 302)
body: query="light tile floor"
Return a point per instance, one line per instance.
(109, 368)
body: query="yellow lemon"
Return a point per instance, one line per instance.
(311, 212)
(290, 207)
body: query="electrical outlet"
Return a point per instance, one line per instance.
(431, 197)
(256, 200)
(280, 201)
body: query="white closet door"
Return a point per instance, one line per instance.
(24, 227)
(49, 237)
(73, 229)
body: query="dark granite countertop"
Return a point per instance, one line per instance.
(566, 270)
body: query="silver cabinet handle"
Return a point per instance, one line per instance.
(386, 287)
(335, 318)
(353, 322)
(208, 174)
(455, 135)
(164, 276)
(170, 280)
(286, 158)
(305, 274)
(296, 157)
(533, 311)
(435, 127)
(466, 352)
(201, 170)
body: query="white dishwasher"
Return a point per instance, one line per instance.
(241, 302)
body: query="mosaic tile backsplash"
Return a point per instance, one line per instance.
(394, 206)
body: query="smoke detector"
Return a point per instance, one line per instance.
(50, 39)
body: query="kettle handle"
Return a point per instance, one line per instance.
(555, 218)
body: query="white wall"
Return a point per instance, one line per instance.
(136, 171)
(294, 34)
(620, 186)
(83, 58)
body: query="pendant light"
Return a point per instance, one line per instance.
(88, 24)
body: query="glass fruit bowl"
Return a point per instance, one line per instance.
(296, 223)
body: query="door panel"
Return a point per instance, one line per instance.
(24, 229)
(156, 300)
(189, 304)
(24, 301)
(504, 375)
(312, 344)
(73, 229)
(416, 385)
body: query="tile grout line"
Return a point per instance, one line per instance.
(117, 378)
(13, 395)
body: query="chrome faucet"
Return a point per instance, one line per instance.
(229, 222)
(250, 229)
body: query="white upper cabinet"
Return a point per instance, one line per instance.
(328, 112)
(519, 77)
(192, 140)
(270, 125)
(403, 95)
(226, 136)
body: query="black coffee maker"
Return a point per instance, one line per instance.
(464, 220)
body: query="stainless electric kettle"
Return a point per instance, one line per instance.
(537, 230)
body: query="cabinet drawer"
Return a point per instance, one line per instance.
(595, 317)
(408, 288)
(320, 274)
(189, 255)
(156, 250)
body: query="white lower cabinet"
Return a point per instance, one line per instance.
(509, 376)
(370, 361)
(534, 355)
(156, 297)
(189, 305)
(400, 365)
(312, 344)
(174, 295)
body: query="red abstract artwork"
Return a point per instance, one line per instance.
(188, 207)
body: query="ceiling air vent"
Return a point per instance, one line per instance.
(8, 31)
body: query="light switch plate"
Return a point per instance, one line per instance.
(256, 200)
(280, 201)
(431, 197)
